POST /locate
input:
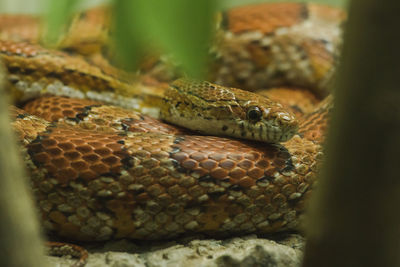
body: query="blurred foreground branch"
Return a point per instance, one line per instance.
(20, 242)
(353, 220)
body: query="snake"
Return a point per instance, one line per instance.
(220, 162)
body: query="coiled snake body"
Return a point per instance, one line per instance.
(101, 172)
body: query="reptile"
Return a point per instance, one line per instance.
(101, 171)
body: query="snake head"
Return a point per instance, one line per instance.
(217, 110)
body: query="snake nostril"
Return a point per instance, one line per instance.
(287, 118)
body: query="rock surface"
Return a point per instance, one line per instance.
(285, 251)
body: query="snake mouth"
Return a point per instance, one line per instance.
(268, 131)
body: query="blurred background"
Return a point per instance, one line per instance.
(38, 6)
(181, 29)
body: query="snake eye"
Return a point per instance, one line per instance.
(254, 114)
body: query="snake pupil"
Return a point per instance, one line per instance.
(254, 114)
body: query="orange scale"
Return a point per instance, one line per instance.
(55, 151)
(76, 109)
(72, 155)
(42, 157)
(180, 156)
(62, 137)
(99, 168)
(201, 144)
(51, 116)
(109, 139)
(103, 151)
(68, 113)
(246, 182)
(199, 172)
(227, 164)
(84, 148)
(137, 129)
(76, 134)
(256, 173)
(49, 142)
(157, 150)
(270, 172)
(77, 141)
(114, 146)
(101, 138)
(66, 105)
(60, 162)
(230, 149)
(51, 169)
(88, 137)
(189, 164)
(65, 175)
(237, 173)
(143, 197)
(66, 146)
(262, 164)
(217, 156)
(246, 164)
(198, 156)
(208, 164)
(80, 165)
(88, 175)
(111, 160)
(147, 147)
(235, 157)
(279, 162)
(219, 173)
(91, 158)
(218, 145)
(270, 154)
(115, 169)
(95, 144)
(166, 149)
(252, 156)
(188, 150)
(120, 154)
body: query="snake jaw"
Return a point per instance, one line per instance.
(272, 130)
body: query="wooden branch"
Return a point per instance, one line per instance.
(353, 218)
(20, 242)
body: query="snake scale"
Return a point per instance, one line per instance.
(102, 172)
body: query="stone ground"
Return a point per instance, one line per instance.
(284, 250)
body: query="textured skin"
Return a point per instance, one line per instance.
(121, 182)
(35, 71)
(61, 248)
(101, 172)
(278, 44)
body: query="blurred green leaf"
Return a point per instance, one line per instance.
(182, 27)
(58, 12)
(128, 38)
(232, 3)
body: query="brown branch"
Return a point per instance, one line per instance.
(20, 242)
(353, 219)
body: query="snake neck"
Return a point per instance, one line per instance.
(314, 125)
